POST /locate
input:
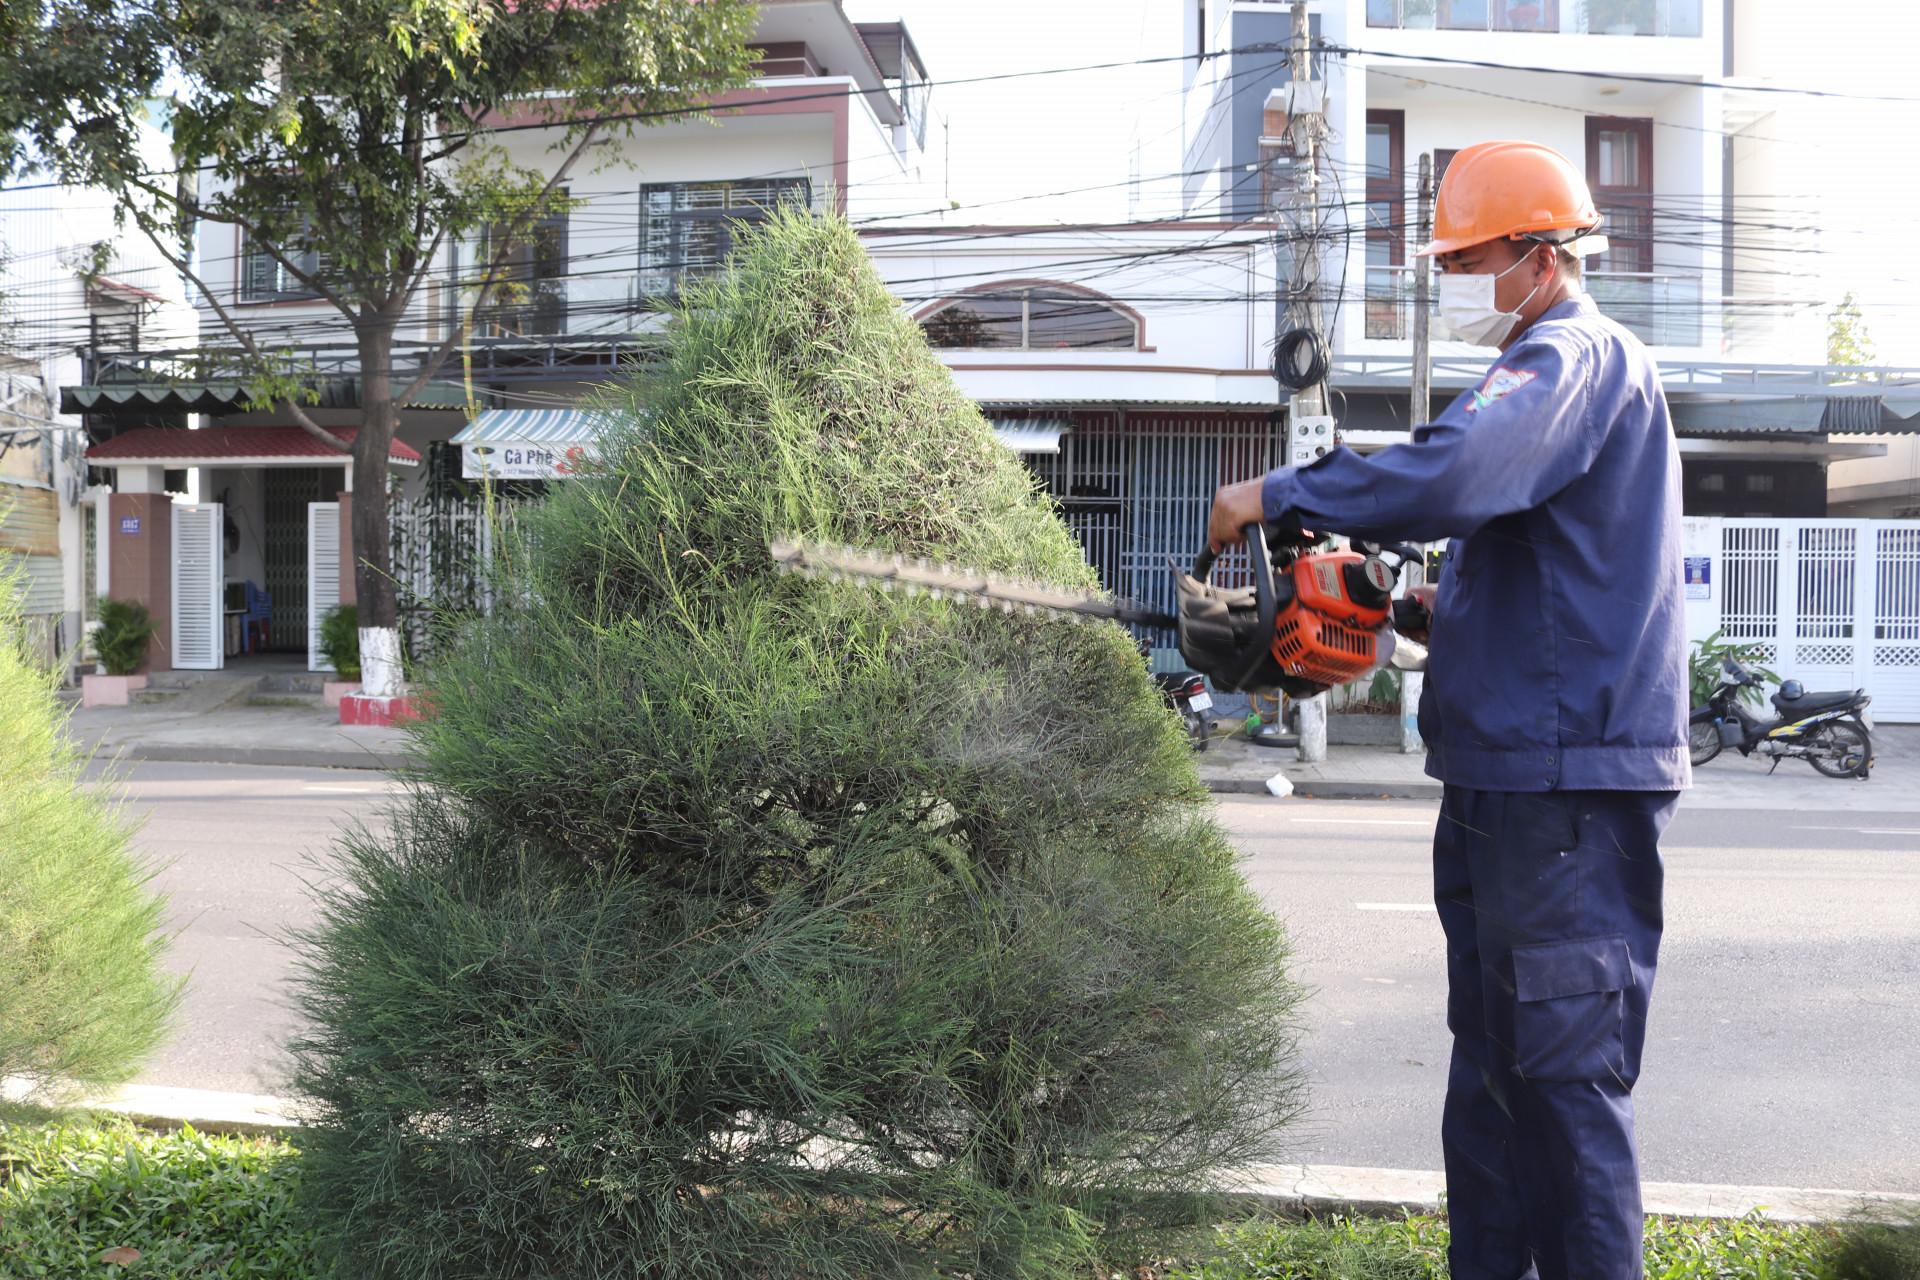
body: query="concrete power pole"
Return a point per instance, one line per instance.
(1411, 681)
(1309, 428)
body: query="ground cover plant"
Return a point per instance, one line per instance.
(169, 1205)
(1676, 1249)
(745, 925)
(83, 999)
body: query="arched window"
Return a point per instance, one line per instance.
(1032, 318)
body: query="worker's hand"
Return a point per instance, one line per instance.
(1425, 594)
(1235, 506)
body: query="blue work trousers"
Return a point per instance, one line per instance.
(1551, 906)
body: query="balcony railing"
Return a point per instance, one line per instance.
(1576, 17)
(1660, 310)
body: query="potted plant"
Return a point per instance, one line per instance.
(340, 646)
(120, 638)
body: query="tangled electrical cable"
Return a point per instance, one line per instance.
(1288, 370)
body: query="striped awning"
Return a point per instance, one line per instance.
(532, 426)
(1031, 435)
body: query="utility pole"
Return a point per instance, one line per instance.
(1411, 681)
(1309, 428)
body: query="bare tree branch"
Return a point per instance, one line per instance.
(294, 410)
(431, 365)
(233, 219)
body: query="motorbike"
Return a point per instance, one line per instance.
(1830, 731)
(1186, 693)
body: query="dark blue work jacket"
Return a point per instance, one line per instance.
(1558, 651)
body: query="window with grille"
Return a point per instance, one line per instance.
(264, 278)
(531, 296)
(686, 228)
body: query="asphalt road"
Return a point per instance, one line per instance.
(1785, 1038)
(231, 844)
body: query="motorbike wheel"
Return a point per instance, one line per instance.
(1200, 730)
(1841, 749)
(1703, 741)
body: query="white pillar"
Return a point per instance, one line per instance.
(1313, 728)
(1410, 685)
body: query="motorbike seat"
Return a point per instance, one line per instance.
(1807, 703)
(1174, 681)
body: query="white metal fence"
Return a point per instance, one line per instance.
(1834, 604)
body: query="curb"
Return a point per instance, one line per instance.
(1314, 789)
(293, 757)
(1293, 1190)
(1324, 1190)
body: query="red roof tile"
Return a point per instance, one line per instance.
(153, 445)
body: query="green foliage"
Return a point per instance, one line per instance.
(122, 636)
(192, 1204)
(1885, 1250)
(1703, 668)
(1415, 1249)
(82, 996)
(745, 925)
(340, 640)
(1848, 341)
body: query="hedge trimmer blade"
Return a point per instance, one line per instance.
(947, 582)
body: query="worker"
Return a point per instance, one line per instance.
(1554, 710)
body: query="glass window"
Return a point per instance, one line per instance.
(1379, 150)
(531, 296)
(686, 227)
(1069, 322)
(1619, 159)
(1467, 15)
(1032, 320)
(978, 322)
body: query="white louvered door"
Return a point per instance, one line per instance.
(323, 575)
(199, 581)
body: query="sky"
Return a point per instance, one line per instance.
(1015, 143)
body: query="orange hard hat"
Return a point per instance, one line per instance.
(1510, 190)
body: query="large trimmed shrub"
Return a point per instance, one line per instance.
(83, 998)
(745, 925)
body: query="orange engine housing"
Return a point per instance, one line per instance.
(1321, 634)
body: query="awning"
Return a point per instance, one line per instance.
(1031, 435)
(528, 444)
(219, 398)
(233, 447)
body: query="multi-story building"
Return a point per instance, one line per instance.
(73, 281)
(837, 118)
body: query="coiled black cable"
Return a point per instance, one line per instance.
(1287, 369)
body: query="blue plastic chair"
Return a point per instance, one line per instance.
(259, 614)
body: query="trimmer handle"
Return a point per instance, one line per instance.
(1242, 665)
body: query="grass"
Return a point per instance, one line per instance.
(1677, 1249)
(191, 1205)
(201, 1205)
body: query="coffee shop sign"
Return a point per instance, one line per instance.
(522, 461)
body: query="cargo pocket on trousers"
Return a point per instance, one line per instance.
(1569, 1019)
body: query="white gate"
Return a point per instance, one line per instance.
(199, 582)
(1834, 604)
(323, 575)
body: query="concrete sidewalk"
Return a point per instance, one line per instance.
(233, 732)
(1232, 764)
(1312, 1189)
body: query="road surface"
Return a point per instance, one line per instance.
(1784, 1038)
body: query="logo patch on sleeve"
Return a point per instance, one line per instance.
(1500, 383)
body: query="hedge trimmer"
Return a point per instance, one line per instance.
(1311, 619)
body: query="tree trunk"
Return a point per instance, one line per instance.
(372, 536)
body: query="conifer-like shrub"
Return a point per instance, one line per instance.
(83, 997)
(744, 925)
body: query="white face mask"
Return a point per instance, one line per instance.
(1468, 308)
